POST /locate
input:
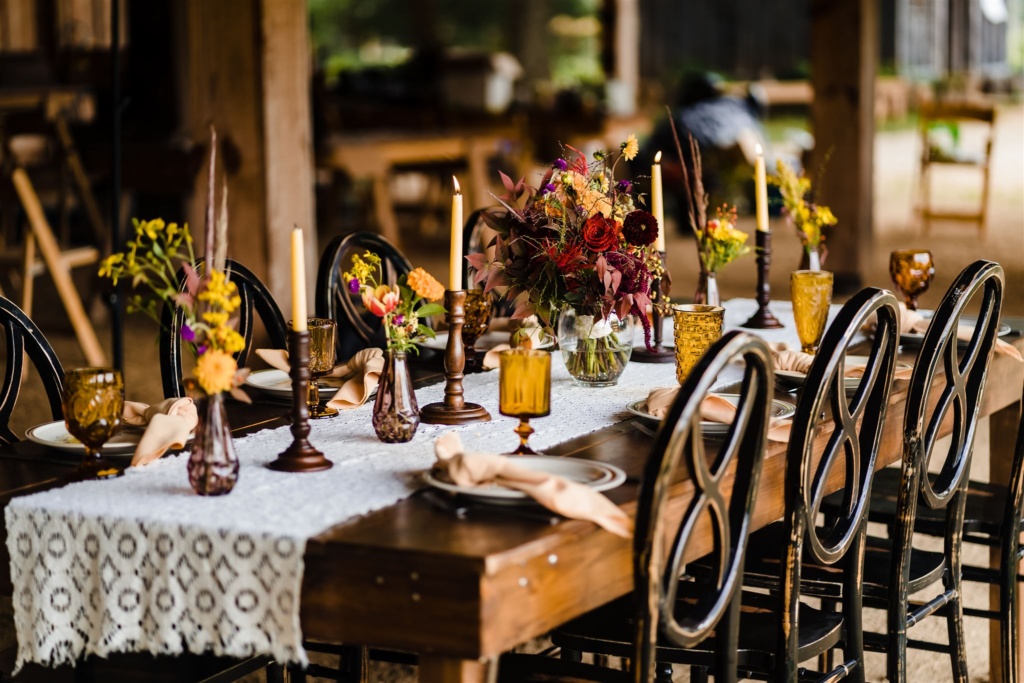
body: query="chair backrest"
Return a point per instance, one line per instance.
(255, 297)
(357, 327)
(657, 565)
(23, 337)
(1010, 546)
(853, 443)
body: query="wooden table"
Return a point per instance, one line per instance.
(413, 578)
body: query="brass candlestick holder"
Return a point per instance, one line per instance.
(300, 456)
(658, 354)
(454, 410)
(763, 318)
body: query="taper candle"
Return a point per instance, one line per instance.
(298, 282)
(658, 202)
(455, 266)
(761, 191)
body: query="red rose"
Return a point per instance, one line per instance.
(600, 233)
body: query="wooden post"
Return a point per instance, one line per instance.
(247, 71)
(844, 59)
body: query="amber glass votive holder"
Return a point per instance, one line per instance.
(93, 402)
(478, 320)
(811, 291)
(322, 355)
(524, 383)
(696, 327)
(912, 271)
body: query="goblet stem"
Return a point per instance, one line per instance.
(313, 395)
(95, 466)
(524, 430)
(911, 303)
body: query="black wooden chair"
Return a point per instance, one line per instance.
(665, 615)
(904, 499)
(255, 298)
(357, 328)
(23, 337)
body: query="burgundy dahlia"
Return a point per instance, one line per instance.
(640, 228)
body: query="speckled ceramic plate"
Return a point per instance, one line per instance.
(780, 410)
(278, 384)
(55, 435)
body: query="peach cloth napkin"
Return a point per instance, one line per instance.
(713, 408)
(558, 494)
(361, 373)
(168, 425)
(912, 322)
(798, 361)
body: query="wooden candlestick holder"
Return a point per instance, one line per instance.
(300, 456)
(658, 354)
(454, 410)
(763, 318)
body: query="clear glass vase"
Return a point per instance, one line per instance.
(396, 415)
(595, 346)
(707, 290)
(213, 464)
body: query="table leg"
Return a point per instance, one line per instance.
(435, 669)
(1002, 426)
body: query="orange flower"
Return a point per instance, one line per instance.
(380, 301)
(215, 371)
(425, 285)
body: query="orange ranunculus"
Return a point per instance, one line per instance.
(380, 301)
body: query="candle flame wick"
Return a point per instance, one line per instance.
(657, 157)
(757, 148)
(458, 190)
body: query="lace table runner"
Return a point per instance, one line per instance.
(141, 563)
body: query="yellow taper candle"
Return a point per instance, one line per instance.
(658, 202)
(455, 265)
(298, 282)
(761, 191)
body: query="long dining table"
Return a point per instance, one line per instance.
(459, 591)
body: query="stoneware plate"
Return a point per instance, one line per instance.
(278, 384)
(597, 475)
(780, 410)
(484, 343)
(851, 383)
(55, 435)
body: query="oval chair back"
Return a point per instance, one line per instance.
(657, 566)
(357, 328)
(853, 444)
(959, 397)
(23, 337)
(255, 298)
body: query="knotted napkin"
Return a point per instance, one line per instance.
(168, 425)
(361, 374)
(797, 361)
(531, 340)
(713, 408)
(912, 322)
(558, 494)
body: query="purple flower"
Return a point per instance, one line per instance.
(187, 333)
(202, 349)
(399, 319)
(353, 285)
(581, 210)
(623, 186)
(548, 188)
(560, 164)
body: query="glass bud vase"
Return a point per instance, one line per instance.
(812, 259)
(707, 290)
(595, 346)
(213, 464)
(396, 415)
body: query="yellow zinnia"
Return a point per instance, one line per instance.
(425, 285)
(630, 148)
(215, 371)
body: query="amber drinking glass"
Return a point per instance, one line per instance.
(525, 390)
(322, 353)
(811, 291)
(697, 327)
(912, 271)
(478, 319)
(93, 403)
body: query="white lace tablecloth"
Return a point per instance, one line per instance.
(141, 563)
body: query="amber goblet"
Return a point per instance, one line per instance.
(525, 390)
(912, 271)
(696, 327)
(811, 291)
(322, 353)
(478, 319)
(93, 402)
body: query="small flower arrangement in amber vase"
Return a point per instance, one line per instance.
(808, 218)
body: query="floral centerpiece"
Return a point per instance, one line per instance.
(718, 245)
(808, 218)
(577, 248)
(401, 307)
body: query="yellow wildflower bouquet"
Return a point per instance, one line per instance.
(808, 218)
(209, 302)
(720, 243)
(401, 306)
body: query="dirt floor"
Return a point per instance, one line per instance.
(954, 246)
